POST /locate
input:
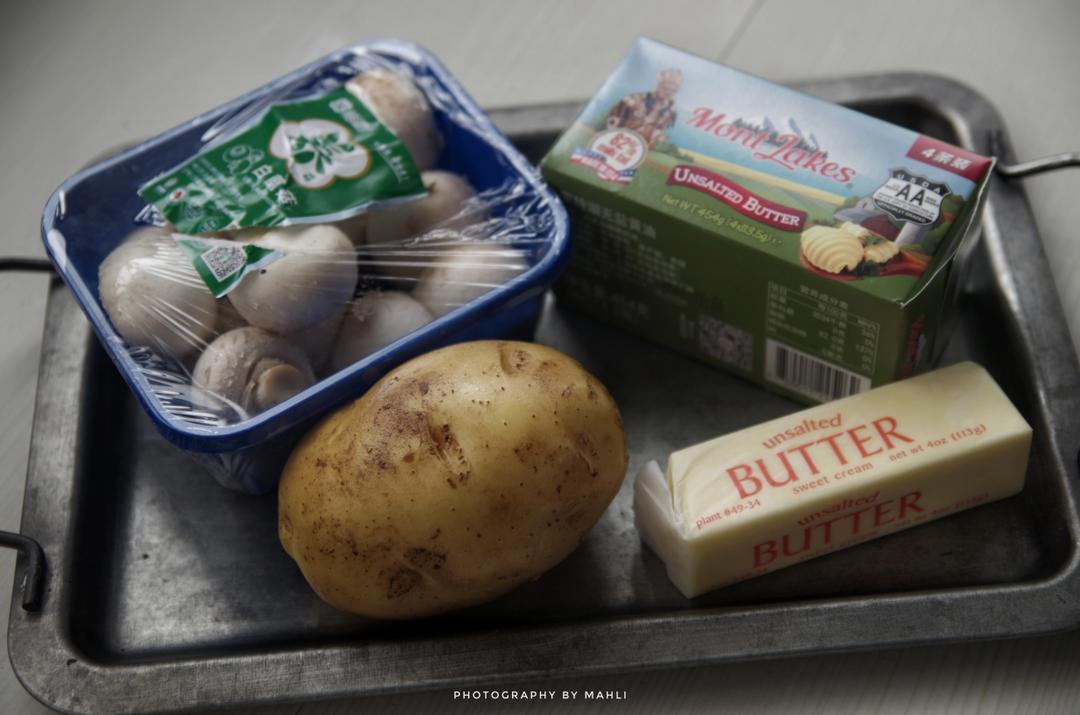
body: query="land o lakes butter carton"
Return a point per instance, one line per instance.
(792, 241)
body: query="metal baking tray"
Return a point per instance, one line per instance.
(165, 592)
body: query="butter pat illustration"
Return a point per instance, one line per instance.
(831, 476)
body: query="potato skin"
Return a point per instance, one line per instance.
(460, 475)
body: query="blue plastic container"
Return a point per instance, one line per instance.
(90, 213)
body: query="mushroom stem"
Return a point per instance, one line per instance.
(251, 370)
(273, 381)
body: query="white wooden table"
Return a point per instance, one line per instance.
(76, 78)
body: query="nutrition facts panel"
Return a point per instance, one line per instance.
(821, 325)
(619, 246)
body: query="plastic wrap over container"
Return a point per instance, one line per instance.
(236, 338)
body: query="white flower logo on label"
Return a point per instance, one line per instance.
(317, 151)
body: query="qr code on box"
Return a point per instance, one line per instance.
(725, 342)
(223, 261)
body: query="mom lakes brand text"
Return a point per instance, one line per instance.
(788, 150)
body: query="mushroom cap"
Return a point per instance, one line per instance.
(310, 283)
(317, 341)
(447, 192)
(253, 369)
(403, 109)
(467, 272)
(355, 227)
(389, 229)
(154, 296)
(372, 322)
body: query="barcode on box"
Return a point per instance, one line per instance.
(808, 375)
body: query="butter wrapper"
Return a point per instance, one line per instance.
(792, 241)
(831, 476)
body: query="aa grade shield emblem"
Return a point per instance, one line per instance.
(909, 197)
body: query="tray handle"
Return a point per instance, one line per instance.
(34, 556)
(34, 576)
(1022, 169)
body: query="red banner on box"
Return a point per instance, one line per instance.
(949, 158)
(737, 197)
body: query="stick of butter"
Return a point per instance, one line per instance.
(832, 476)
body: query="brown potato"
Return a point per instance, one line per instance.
(459, 476)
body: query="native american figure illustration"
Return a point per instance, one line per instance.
(649, 113)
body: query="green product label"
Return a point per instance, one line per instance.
(305, 162)
(222, 264)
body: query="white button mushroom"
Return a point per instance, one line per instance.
(389, 230)
(402, 108)
(154, 297)
(355, 227)
(317, 340)
(252, 370)
(374, 321)
(315, 277)
(467, 272)
(441, 208)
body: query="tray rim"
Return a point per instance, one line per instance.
(53, 670)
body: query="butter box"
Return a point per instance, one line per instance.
(792, 241)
